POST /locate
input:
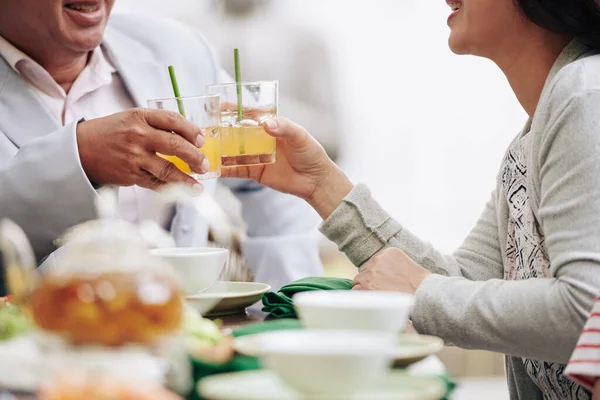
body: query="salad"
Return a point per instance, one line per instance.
(204, 339)
(13, 321)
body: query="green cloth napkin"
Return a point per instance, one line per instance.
(273, 325)
(280, 304)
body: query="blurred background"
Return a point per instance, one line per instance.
(374, 81)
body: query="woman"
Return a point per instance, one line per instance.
(525, 278)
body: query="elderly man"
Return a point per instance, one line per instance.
(70, 82)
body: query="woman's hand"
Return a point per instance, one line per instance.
(302, 168)
(390, 270)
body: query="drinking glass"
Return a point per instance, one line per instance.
(203, 111)
(243, 139)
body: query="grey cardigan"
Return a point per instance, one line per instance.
(466, 301)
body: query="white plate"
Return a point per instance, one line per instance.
(411, 348)
(415, 347)
(224, 298)
(265, 385)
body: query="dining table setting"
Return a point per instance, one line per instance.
(116, 314)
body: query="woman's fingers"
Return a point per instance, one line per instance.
(285, 129)
(253, 172)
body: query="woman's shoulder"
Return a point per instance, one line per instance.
(574, 89)
(567, 120)
(575, 80)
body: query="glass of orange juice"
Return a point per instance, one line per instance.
(244, 107)
(204, 111)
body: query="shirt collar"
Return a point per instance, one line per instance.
(99, 67)
(11, 54)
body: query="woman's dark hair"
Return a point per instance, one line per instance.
(579, 18)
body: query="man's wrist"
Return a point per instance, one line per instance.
(95, 185)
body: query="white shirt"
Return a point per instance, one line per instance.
(97, 92)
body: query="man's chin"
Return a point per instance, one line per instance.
(85, 42)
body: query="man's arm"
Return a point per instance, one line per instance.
(43, 187)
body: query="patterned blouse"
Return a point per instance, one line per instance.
(526, 258)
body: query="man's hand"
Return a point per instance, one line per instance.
(390, 270)
(120, 149)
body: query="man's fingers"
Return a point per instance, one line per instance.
(171, 121)
(149, 181)
(164, 172)
(174, 145)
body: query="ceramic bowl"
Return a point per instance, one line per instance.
(197, 267)
(329, 362)
(354, 309)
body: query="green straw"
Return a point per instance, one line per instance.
(176, 90)
(240, 106)
(238, 80)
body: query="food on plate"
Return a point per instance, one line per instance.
(109, 308)
(204, 339)
(13, 320)
(101, 387)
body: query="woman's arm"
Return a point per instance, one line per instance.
(361, 228)
(353, 219)
(540, 317)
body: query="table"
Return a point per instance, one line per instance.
(429, 366)
(233, 321)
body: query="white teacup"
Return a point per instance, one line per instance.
(328, 362)
(197, 267)
(354, 309)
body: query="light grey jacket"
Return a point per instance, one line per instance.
(466, 301)
(44, 189)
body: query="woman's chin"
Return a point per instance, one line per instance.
(457, 45)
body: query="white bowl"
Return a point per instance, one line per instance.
(197, 267)
(354, 309)
(328, 362)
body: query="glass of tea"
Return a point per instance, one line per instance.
(244, 107)
(203, 111)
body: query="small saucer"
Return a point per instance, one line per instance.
(411, 347)
(224, 298)
(266, 385)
